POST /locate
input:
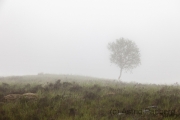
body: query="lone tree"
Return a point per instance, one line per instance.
(125, 54)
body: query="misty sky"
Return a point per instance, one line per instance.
(71, 37)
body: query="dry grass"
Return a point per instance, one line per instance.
(68, 97)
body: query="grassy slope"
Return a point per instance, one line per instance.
(84, 98)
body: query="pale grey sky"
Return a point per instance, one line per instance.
(71, 37)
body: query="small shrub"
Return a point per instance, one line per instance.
(90, 95)
(57, 84)
(66, 84)
(75, 88)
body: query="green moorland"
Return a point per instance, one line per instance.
(68, 97)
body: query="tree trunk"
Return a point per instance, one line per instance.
(120, 73)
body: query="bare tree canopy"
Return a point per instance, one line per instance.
(125, 54)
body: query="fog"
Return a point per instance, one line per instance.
(71, 37)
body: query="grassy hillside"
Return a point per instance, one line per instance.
(67, 97)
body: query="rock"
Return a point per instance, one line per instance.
(12, 97)
(30, 95)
